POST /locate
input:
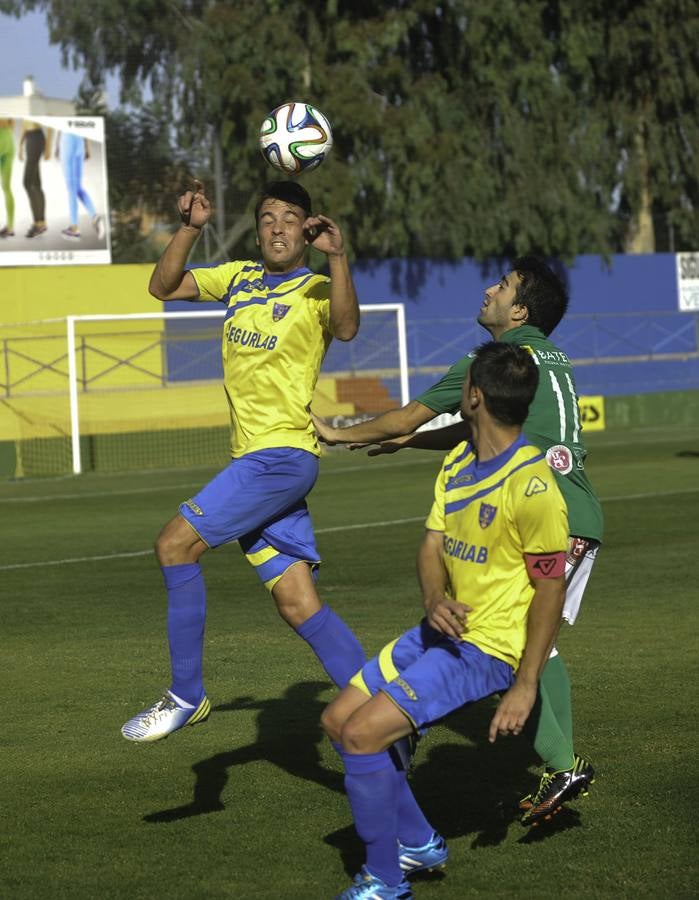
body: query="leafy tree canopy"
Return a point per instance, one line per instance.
(461, 127)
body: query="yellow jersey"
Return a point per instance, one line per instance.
(501, 519)
(275, 335)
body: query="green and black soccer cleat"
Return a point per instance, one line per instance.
(555, 788)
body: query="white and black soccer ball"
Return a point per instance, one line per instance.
(295, 137)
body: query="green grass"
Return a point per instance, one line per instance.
(251, 804)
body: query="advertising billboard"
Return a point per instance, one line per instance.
(688, 282)
(53, 198)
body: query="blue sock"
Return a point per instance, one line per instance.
(186, 614)
(334, 644)
(371, 783)
(413, 828)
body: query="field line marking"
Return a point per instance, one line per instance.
(329, 530)
(74, 559)
(650, 495)
(46, 498)
(80, 559)
(369, 525)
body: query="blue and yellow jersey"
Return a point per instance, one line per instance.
(553, 423)
(501, 519)
(275, 335)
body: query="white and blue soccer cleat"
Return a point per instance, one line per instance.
(368, 887)
(163, 717)
(432, 855)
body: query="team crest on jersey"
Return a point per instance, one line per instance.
(560, 459)
(279, 311)
(486, 514)
(535, 486)
(577, 548)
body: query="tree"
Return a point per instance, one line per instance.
(634, 67)
(461, 127)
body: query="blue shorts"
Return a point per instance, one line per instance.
(259, 500)
(429, 675)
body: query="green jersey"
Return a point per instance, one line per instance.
(553, 424)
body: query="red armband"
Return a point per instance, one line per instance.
(545, 565)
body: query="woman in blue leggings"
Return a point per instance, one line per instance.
(73, 150)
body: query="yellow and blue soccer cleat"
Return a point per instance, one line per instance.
(162, 718)
(432, 855)
(368, 887)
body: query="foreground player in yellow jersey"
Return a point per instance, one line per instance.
(279, 322)
(491, 568)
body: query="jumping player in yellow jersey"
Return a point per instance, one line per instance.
(279, 322)
(491, 568)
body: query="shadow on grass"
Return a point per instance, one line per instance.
(564, 820)
(464, 789)
(288, 735)
(467, 789)
(496, 779)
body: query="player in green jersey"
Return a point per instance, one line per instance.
(522, 308)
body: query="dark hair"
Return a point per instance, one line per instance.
(508, 378)
(541, 292)
(288, 191)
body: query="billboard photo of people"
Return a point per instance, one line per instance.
(53, 198)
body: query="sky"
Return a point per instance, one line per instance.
(25, 50)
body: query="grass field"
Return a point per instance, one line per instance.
(251, 805)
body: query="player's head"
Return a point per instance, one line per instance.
(280, 212)
(287, 191)
(530, 294)
(503, 378)
(541, 292)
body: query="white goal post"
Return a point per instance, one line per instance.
(367, 360)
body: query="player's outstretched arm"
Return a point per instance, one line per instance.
(443, 439)
(392, 424)
(325, 235)
(543, 622)
(169, 280)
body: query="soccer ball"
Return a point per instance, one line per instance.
(295, 137)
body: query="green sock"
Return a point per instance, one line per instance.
(557, 683)
(551, 736)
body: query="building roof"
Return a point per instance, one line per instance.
(33, 103)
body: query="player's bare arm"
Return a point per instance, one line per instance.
(543, 622)
(443, 613)
(443, 439)
(326, 236)
(169, 280)
(392, 424)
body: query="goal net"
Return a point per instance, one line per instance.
(113, 393)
